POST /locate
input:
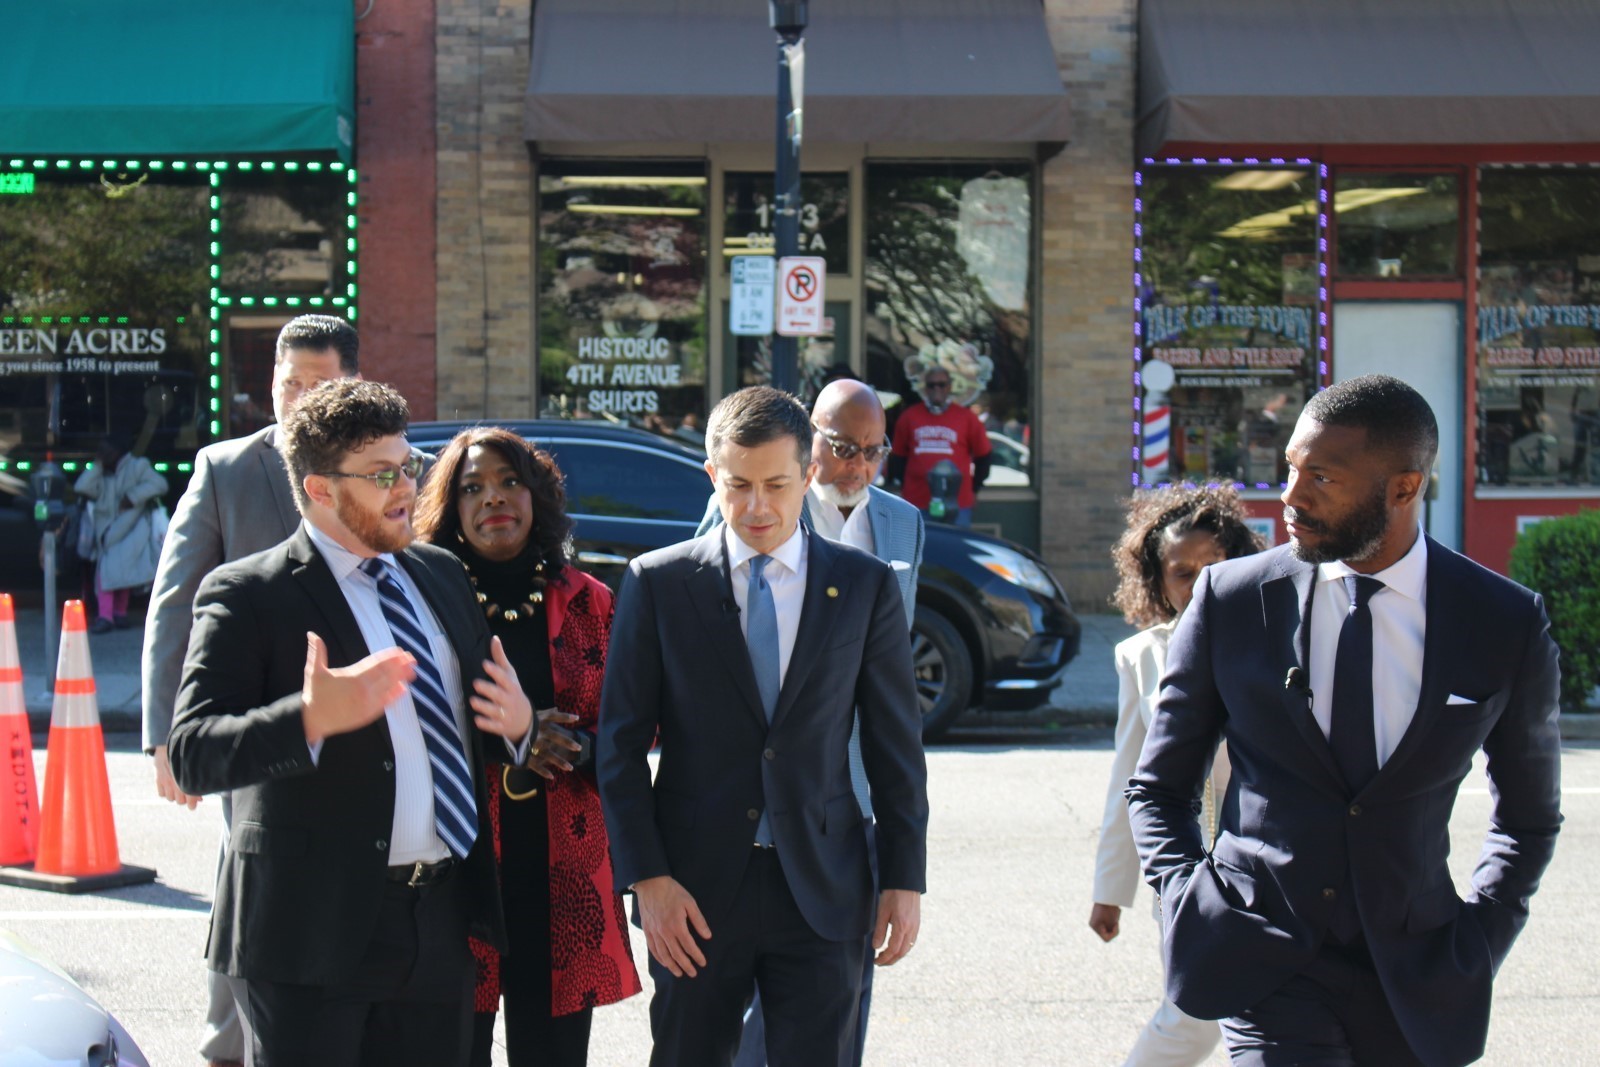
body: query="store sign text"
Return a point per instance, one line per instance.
(16, 184)
(85, 340)
(625, 388)
(1498, 320)
(1165, 322)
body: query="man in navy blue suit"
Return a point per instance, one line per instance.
(1354, 674)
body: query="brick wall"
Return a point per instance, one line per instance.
(395, 160)
(485, 222)
(1086, 340)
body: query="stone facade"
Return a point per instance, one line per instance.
(484, 171)
(1086, 341)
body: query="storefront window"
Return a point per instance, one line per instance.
(824, 217)
(284, 232)
(948, 283)
(1228, 321)
(622, 315)
(1539, 327)
(1397, 226)
(104, 285)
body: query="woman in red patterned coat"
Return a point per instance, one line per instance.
(498, 503)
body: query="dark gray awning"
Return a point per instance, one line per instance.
(1304, 72)
(876, 70)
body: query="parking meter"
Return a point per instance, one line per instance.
(944, 488)
(49, 485)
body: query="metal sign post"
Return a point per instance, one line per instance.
(788, 19)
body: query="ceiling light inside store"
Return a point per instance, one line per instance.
(629, 209)
(624, 183)
(1266, 227)
(1259, 181)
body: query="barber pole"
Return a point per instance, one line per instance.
(1157, 437)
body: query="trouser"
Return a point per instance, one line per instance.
(810, 986)
(224, 1036)
(1174, 1039)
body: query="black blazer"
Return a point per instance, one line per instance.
(296, 900)
(678, 668)
(1244, 918)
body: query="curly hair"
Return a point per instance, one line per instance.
(335, 419)
(439, 516)
(1156, 519)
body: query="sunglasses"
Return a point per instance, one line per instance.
(848, 450)
(386, 478)
(935, 385)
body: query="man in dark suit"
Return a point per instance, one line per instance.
(748, 652)
(1354, 673)
(238, 503)
(324, 686)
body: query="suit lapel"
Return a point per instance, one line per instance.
(448, 607)
(816, 622)
(1446, 635)
(277, 477)
(710, 590)
(342, 634)
(878, 519)
(1286, 607)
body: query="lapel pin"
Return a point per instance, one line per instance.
(833, 590)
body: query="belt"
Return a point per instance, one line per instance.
(765, 848)
(420, 873)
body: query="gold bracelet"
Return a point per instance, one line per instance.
(505, 785)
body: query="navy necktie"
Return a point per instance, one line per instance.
(455, 809)
(761, 637)
(1351, 732)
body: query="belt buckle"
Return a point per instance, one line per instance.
(416, 874)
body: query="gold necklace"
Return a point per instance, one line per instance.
(524, 610)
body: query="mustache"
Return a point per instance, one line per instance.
(1290, 515)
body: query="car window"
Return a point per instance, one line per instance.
(628, 481)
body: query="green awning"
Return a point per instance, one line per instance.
(178, 77)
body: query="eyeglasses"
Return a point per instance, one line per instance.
(386, 478)
(848, 450)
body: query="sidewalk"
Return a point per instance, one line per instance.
(1088, 696)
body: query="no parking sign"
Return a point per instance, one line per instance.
(800, 285)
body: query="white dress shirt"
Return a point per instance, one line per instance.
(1399, 624)
(786, 574)
(413, 837)
(854, 530)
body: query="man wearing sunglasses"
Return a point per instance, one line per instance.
(934, 430)
(345, 687)
(848, 445)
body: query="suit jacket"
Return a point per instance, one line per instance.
(239, 502)
(1242, 919)
(679, 670)
(898, 532)
(305, 865)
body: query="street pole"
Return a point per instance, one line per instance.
(788, 19)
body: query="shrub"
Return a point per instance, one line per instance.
(1560, 560)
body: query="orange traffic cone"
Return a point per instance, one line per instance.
(77, 835)
(19, 793)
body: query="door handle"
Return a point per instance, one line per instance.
(602, 559)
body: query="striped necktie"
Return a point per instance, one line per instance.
(455, 810)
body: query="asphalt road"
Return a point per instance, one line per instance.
(1006, 971)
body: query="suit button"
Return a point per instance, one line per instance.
(1355, 809)
(753, 815)
(1329, 894)
(388, 765)
(381, 845)
(769, 754)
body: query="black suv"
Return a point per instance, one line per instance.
(993, 628)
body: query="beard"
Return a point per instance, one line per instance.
(369, 528)
(1354, 538)
(840, 499)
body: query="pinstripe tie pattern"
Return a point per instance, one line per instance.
(455, 811)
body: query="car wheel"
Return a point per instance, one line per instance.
(943, 670)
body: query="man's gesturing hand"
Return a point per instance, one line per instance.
(338, 700)
(667, 911)
(901, 910)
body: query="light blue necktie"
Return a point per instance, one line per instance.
(455, 811)
(761, 636)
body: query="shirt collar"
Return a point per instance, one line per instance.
(341, 561)
(1407, 575)
(791, 553)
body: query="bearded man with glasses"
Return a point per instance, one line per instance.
(937, 430)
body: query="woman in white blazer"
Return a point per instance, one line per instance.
(1171, 535)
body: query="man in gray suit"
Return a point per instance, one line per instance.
(849, 446)
(239, 502)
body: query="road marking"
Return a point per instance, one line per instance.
(101, 915)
